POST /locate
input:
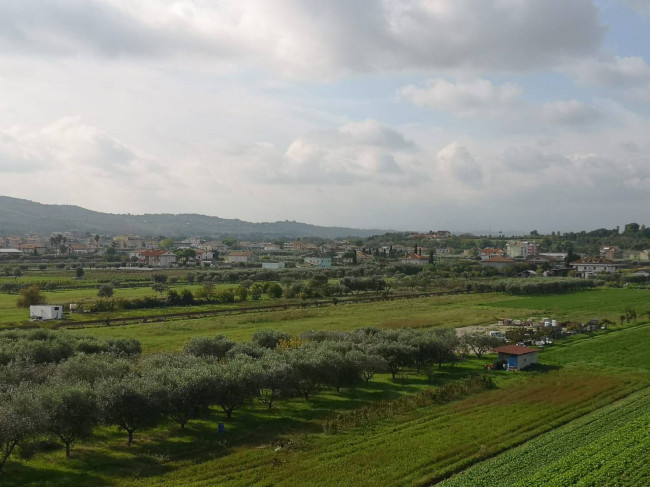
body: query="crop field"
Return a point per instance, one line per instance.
(623, 348)
(415, 448)
(608, 447)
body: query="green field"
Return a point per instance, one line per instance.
(599, 303)
(608, 447)
(580, 376)
(10, 314)
(441, 311)
(625, 348)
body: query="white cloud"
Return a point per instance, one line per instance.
(71, 154)
(455, 161)
(617, 72)
(475, 98)
(355, 153)
(309, 38)
(569, 112)
(480, 98)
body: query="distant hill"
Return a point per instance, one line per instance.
(19, 216)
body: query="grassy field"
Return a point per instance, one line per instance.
(445, 311)
(442, 311)
(599, 303)
(12, 315)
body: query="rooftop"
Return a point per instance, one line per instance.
(515, 350)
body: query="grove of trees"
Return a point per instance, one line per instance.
(63, 385)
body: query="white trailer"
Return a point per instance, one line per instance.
(46, 312)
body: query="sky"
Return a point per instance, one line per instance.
(465, 115)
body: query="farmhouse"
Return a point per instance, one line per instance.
(516, 356)
(46, 312)
(236, 257)
(158, 258)
(593, 265)
(498, 262)
(32, 248)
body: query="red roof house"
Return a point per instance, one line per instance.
(516, 356)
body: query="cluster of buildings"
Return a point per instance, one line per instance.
(151, 252)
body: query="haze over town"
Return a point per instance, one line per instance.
(466, 115)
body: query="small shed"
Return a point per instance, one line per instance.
(46, 312)
(516, 356)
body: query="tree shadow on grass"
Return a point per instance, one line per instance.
(542, 368)
(19, 474)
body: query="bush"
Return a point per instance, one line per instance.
(269, 338)
(30, 296)
(216, 347)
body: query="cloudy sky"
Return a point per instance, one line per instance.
(466, 115)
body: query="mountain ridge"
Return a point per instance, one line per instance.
(19, 216)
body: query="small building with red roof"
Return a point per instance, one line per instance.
(516, 356)
(498, 262)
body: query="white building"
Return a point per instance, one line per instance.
(273, 265)
(236, 257)
(204, 255)
(323, 262)
(414, 259)
(46, 312)
(587, 266)
(158, 258)
(516, 249)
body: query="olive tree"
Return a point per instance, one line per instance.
(396, 354)
(269, 338)
(70, 412)
(20, 418)
(235, 384)
(480, 343)
(215, 347)
(105, 291)
(129, 403)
